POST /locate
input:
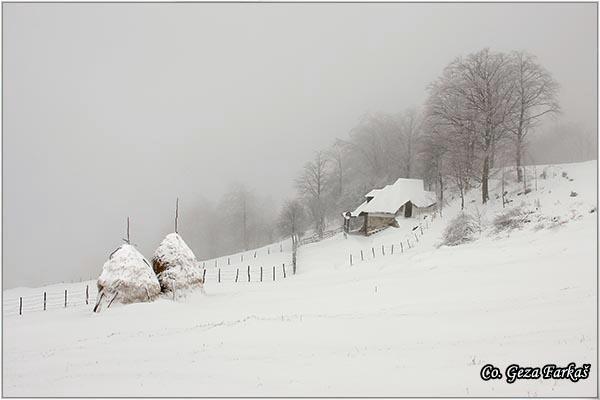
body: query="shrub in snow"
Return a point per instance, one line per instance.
(511, 218)
(547, 222)
(127, 277)
(573, 194)
(461, 229)
(175, 265)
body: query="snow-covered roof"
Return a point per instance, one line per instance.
(391, 197)
(372, 193)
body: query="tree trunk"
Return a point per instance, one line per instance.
(492, 154)
(441, 192)
(519, 152)
(484, 180)
(503, 191)
(341, 177)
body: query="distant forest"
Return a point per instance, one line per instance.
(485, 111)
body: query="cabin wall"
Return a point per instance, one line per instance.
(417, 212)
(373, 223)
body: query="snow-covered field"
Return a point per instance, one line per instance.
(418, 323)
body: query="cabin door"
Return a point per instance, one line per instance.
(408, 209)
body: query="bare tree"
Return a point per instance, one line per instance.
(434, 151)
(374, 146)
(238, 207)
(410, 125)
(477, 94)
(336, 156)
(536, 96)
(291, 218)
(313, 186)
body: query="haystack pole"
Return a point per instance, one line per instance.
(176, 213)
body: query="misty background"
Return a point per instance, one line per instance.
(115, 110)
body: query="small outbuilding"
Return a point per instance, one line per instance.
(404, 198)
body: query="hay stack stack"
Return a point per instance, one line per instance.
(126, 277)
(175, 265)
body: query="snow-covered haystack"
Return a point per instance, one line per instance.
(127, 277)
(175, 265)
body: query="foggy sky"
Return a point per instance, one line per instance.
(112, 110)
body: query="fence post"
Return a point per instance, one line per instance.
(87, 294)
(237, 274)
(44, 301)
(350, 259)
(248, 273)
(392, 248)
(219, 275)
(204, 276)
(408, 242)
(383, 249)
(228, 262)
(361, 256)
(283, 267)
(261, 273)
(242, 257)
(294, 261)
(273, 274)
(373, 250)
(255, 254)
(20, 306)
(65, 297)
(401, 248)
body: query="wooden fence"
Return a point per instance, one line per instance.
(316, 238)
(49, 300)
(409, 241)
(87, 294)
(244, 257)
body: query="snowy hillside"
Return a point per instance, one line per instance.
(419, 322)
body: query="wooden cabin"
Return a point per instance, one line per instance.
(382, 208)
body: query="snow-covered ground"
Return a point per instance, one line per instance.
(418, 323)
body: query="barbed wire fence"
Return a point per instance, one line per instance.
(247, 256)
(50, 300)
(87, 293)
(409, 241)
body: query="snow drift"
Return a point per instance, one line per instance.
(127, 277)
(175, 265)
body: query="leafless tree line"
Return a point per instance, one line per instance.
(239, 220)
(379, 150)
(479, 111)
(484, 105)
